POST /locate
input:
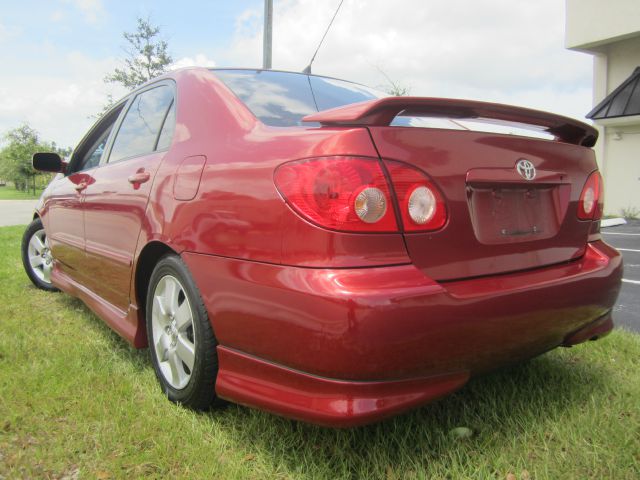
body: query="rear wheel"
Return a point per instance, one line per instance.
(181, 340)
(36, 256)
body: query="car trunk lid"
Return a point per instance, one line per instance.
(499, 219)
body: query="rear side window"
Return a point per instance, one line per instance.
(140, 129)
(282, 99)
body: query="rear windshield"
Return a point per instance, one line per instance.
(282, 99)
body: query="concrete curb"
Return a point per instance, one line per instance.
(612, 222)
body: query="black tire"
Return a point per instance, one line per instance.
(37, 275)
(199, 391)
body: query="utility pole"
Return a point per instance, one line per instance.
(268, 31)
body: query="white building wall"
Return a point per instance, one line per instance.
(590, 23)
(610, 31)
(618, 149)
(623, 58)
(622, 173)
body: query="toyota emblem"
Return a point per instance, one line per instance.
(526, 169)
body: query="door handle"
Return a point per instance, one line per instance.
(81, 186)
(139, 177)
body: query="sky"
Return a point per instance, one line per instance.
(56, 53)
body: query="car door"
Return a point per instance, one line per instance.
(65, 205)
(116, 201)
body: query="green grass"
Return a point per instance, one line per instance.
(8, 192)
(76, 401)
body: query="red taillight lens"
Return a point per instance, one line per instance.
(590, 204)
(422, 206)
(340, 193)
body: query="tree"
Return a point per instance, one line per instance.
(397, 90)
(394, 88)
(147, 56)
(15, 158)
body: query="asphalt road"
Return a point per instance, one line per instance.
(626, 238)
(16, 212)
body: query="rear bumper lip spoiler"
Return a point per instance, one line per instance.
(381, 112)
(593, 331)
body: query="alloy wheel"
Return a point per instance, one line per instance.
(40, 259)
(173, 335)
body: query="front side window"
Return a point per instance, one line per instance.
(93, 156)
(141, 126)
(90, 152)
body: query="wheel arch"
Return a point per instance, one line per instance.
(149, 256)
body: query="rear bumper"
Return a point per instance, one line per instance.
(394, 338)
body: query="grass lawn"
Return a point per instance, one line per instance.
(8, 192)
(77, 402)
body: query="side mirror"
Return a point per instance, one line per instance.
(48, 162)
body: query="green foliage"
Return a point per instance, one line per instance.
(630, 213)
(9, 192)
(15, 158)
(106, 108)
(393, 87)
(397, 90)
(147, 56)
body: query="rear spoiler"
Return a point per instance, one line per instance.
(381, 112)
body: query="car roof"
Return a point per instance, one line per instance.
(249, 69)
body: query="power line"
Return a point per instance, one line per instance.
(308, 68)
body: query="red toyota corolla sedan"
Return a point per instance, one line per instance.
(308, 246)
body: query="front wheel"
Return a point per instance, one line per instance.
(36, 256)
(181, 340)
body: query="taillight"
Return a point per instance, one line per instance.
(590, 204)
(340, 193)
(422, 206)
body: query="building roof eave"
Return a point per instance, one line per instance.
(596, 46)
(618, 121)
(624, 101)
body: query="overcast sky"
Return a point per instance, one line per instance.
(55, 53)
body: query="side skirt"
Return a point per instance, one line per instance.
(126, 324)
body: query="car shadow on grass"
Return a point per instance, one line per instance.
(520, 401)
(139, 358)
